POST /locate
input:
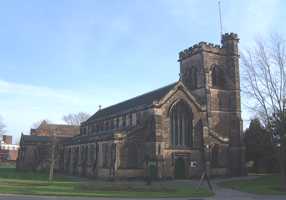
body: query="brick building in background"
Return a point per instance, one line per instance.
(8, 150)
(34, 152)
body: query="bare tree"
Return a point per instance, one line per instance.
(2, 126)
(76, 118)
(52, 153)
(265, 82)
(71, 119)
(38, 123)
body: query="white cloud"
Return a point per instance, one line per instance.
(10, 88)
(21, 105)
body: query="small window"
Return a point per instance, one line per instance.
(124, 121)
(106, 125)
(134, 119)
(117, 122)
(101, 126)
(138, 117)
(112, 124)
(130, 119)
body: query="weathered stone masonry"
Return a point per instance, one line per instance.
(166, 127)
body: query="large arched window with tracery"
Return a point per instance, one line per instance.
(181, 118)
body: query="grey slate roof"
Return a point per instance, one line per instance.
(35, 138)
(142, 100)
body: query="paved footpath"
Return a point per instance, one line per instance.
(221, 194)
(229, 194)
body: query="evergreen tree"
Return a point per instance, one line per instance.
(260, 147)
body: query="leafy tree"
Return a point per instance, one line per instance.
(260, 147)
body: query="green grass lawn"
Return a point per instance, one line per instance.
(12, 174)
(31, 183)
(265, 185)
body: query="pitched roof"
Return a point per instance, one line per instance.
(142, 100)
(61, 130)
(44, 124)
(35, 138)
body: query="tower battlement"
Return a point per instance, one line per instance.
(196, 48)
(229, 36)
(206, 46)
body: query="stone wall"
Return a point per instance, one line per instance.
(218, 87)
(124, 142)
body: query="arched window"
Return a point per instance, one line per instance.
(218, 79)
(181, 118)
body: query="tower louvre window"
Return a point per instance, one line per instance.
(194, 77)
(218, 77)
(190, 77)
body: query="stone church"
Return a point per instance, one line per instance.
(179, 130)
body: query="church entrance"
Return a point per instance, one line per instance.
(180, 168)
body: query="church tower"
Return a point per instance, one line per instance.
(211, 73)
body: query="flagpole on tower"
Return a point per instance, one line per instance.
(220, 20)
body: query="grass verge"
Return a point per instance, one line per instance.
(31, 183)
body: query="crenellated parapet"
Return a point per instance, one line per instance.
(201, 46)
(229, 36)
(229, 42)
(209, 47)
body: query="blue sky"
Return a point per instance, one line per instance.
(65, 56)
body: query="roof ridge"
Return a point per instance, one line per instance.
(131, 99)
(62, 125)
(141, 95)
